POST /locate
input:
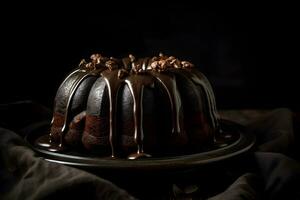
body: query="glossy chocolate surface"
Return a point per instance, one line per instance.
(134, 107)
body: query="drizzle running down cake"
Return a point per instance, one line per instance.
(132, 108)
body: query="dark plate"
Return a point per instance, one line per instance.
(242, 143)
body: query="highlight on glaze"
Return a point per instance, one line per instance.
(87, 103)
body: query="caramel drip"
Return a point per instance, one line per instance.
(136, 84)
(86, 69)
(201, 80)
(212, 96)
(145, 63)
(184, 73)
(169, 84)
(73, 89)
(54, 104)
(113, 86)
(126, 63)
(70, 96)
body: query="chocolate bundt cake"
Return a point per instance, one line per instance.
(134, 108)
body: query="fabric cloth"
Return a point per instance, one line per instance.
(26, 176)
(271, 172)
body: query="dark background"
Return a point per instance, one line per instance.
(248, 52)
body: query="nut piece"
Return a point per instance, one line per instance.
(96, 58)
(122, 73)
(133, 65)
(82, 63)
(186, 64)
(111, 64)
(163, 63)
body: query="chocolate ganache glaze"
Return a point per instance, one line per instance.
(132, 108)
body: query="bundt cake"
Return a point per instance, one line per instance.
(132, 108)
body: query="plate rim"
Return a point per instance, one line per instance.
(245, 143)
